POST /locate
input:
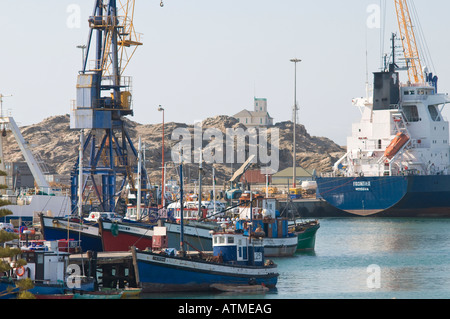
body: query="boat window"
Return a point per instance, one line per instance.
(434, 113)
(231, 240)
(411, 113)
(221, 240)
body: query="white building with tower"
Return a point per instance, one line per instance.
(256, 118)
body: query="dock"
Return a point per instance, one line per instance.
(112, 269)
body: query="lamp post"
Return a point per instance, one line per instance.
(163, 202)
(295, 120)
(82, 47)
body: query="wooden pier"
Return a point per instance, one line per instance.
(112, 269)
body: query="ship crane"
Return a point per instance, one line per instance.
(411, 53)
(104, 98)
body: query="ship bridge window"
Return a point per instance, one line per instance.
(411, 113)
(434, 113)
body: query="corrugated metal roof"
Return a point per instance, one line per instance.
(299, 172)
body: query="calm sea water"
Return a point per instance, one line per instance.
(363, 258)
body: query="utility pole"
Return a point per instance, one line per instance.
(295, 122)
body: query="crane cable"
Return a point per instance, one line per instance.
(423, 46)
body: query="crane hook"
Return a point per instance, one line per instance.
(161, 4)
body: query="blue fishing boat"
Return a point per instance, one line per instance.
(87, 233)
(236, 260)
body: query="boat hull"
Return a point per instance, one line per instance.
(38, 289)
(197, 234)
(390, 196)
(122, 236)
(307, 237)
(200, 237)
(43, 290)
(280, 247)
(57, 228)
(157, 273)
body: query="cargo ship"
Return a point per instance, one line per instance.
(398, 155)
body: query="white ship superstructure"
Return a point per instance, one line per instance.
(416, 112)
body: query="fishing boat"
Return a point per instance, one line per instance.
(236, 260)
(197, 224)
(304, 229)
(258, 214)
(398, 155)
(280, 238)
(87, 233)
(306, 234)
(122, 235)
(47, 267)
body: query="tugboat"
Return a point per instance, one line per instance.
(236, 260)
(398, 155)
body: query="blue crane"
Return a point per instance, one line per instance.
(103, 101)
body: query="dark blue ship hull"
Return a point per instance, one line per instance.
(394, 196)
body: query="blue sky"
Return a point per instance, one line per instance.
(203, 58)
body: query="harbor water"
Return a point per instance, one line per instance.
(362, 258)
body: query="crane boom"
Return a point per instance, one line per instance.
(415, 73)
(38, 175)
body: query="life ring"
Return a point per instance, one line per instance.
(20, 271)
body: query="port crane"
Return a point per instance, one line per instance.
(104, 98)
(410, 50)
(38, 175)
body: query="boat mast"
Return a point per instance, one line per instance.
(181, 209)
(214, 189)
(80, 175)
(200, 170)
(138, 203)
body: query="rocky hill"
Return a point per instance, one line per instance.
(56, 145)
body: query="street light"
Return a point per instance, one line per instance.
(82, 47)
(295, 118)
(160, 109)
